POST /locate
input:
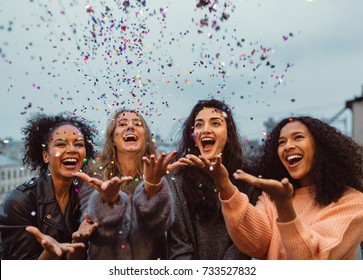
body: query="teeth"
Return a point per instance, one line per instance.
(130, 136)
(207, 139)
(293, 157)
(70, 160)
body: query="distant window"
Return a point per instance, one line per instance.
(2, 175)
(9, 174)
(20, 173)
(14, 173)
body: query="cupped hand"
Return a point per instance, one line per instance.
(109, 190)
(155, 168)
(86, 228)
(53, 249)
(213, 167)
(279, 191)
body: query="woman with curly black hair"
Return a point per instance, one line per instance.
(312, 201)
(208, 131)
(47, 206)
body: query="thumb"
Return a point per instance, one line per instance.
(34, 231)
(286, 183)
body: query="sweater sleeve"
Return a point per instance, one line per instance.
(108, 216)
(249, 226)
(335, 233)
(155, 213)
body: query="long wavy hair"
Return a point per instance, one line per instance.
(198, 187)
(109, 160)
(337, 162)
(39, 129)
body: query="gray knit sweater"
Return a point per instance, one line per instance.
(134, 228)
(191, 239)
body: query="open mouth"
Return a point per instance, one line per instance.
(70, 162)
(130, 138)
(207, 142)
(294, 159)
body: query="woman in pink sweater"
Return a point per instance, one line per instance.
(312, 201)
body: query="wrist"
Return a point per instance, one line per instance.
(227, 191)
(150, 183)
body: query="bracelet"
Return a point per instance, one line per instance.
(150, 184)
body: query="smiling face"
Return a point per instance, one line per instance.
(129, 133)
(210, 132)
(296, 151)
(66, 152)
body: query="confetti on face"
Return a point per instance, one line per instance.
(33, 213)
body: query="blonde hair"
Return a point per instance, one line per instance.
(109, 163)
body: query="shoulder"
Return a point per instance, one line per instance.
(352, 195)
(19, 200)
(22, 191)
(29, 185)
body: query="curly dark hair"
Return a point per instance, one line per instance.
(39, 129)
(337, 162)
(198, 187)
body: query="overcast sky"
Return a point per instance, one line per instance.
(268, 58)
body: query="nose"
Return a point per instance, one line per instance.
(130, 127)
(206, 128)
(289, 145)
(71, 148)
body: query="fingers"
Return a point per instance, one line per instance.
(249, 179)
(114, 182)
(200, 162)
(86, 217)
(82, 176)
(169, 157)
(34, 231)
(175, 165)
(58, 251)
(152, 160)
(126, 178)
(286, 183)
(187, 161)
(95, 183)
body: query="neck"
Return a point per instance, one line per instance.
(61, 191)
(61, 187)
(128, 164)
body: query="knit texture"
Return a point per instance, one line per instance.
(330, 232)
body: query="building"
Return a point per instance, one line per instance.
(12, 171)
(12, 174)
(356, 105)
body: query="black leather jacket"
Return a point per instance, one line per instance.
(33, 203)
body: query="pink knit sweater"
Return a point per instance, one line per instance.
(330, 232)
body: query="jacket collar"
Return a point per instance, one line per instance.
(52, 212)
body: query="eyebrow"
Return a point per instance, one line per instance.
(212, 119)
(64, 139)
(124, 119)
(294, 133)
